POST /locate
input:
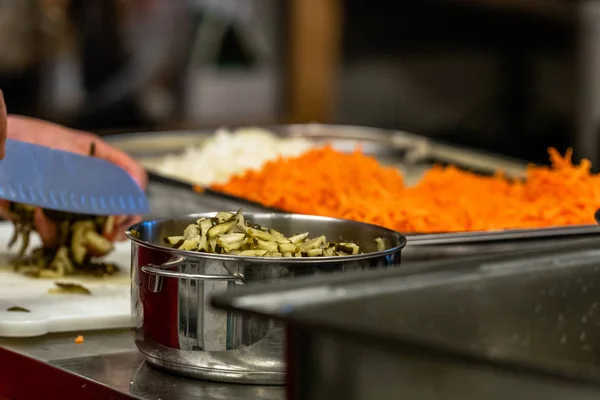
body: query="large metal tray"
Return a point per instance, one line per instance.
(171, 199)
(495, 328)
(412, 154)
(451, 245)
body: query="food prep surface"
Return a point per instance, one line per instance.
(33, 306)
(109, 358)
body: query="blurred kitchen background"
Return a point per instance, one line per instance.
(510, 76)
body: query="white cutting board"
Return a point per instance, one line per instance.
(106, 308)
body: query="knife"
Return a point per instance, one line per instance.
(65, 181)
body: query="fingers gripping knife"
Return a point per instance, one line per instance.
(64, 181)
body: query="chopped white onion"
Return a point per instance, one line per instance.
(229, 153)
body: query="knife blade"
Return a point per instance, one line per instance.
(65, 181)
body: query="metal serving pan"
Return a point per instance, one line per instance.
(170, 199)
(412, 154)
(486, 328)
(451, 245)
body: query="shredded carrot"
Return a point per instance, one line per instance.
(79, 339)
(326, 182)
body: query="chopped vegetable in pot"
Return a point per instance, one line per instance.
(228, 233)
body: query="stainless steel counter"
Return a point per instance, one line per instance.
(110, 358)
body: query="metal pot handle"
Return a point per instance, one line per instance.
(159, 271)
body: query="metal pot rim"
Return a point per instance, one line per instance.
(273, 260)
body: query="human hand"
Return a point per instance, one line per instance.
(2, 125)
(59, 137)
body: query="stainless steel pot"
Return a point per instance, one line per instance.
(177, 329)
